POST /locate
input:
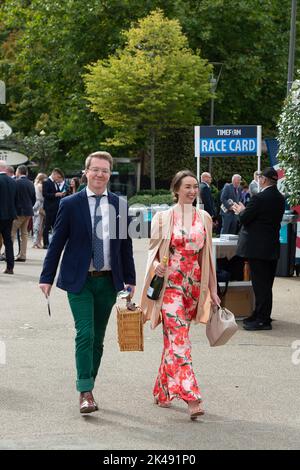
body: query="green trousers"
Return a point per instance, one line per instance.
(91, 309)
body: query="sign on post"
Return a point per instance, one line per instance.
(5, 130)
(12, 158)
(227, 141)
(215, 141)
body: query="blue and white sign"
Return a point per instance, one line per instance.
(226, 141)
(214, 141)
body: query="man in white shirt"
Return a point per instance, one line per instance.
(92, 229)
(253, 186)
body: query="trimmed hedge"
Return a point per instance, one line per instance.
(149, 199)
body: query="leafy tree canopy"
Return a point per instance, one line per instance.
(289, 143)
(155, 81)
(45, 46)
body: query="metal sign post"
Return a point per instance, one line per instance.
(197, 155)
(259, 134)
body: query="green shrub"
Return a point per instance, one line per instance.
(151, 193)
(289, 144)
(148, 199)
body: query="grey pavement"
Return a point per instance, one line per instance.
(250, 386)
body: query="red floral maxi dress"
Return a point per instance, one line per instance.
(176, 377)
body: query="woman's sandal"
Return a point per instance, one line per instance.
(195, 409)
(162, 404)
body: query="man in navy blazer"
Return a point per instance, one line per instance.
(8, 212)
(92, 229)
(231, 193)
(25, 202)
(52, 196)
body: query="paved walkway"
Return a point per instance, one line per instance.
(250, 386)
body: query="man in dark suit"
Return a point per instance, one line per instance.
(52, 196)
(205, 194)
(231, 193)
(25, 203)
(92, 229)
(259, 243)
(8, 212)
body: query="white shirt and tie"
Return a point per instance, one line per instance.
(104, 205)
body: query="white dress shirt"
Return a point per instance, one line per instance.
(105, 224)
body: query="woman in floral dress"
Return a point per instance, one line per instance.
(180, 297)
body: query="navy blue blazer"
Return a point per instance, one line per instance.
(51, 203)
(207, 199)
(25, 196)
(229, 192)
(8, 198)
(73, 234)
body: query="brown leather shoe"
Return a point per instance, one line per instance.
(8, 271)
(96, 405)
(87, 403)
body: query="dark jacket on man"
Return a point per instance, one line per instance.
(51, 203)
(73, 234)
(207, 199)
(25, 196)
(259, 242)
(259, 236)
(230, 192)
(8, 190)
(8, 212)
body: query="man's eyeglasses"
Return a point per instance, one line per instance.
(105, 171)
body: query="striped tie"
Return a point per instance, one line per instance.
(98, 253)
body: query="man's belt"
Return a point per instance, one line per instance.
(99, 273)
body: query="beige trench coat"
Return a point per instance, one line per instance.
(161, 232)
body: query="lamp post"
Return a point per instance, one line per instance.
(292, 45)
(213, 86)
(43, 152)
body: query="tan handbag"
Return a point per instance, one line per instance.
(220, 326)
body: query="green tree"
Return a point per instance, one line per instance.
(46, 44)
(250, 38)
(44, 47)
(289, 143)
(154, 82)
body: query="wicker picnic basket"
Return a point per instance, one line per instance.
(130, 329)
